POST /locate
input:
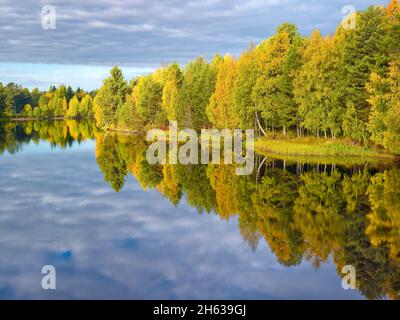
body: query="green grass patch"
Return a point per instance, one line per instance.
(310, 146)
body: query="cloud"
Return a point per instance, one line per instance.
(150, 32)
(143, 34)
(132, 244)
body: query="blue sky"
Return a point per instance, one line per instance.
(91, 36)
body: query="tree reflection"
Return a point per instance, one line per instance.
(348, 214)
(302, 211)
(62, 134)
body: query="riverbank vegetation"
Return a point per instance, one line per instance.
(344, 85)
(312, 146)
(20, 103)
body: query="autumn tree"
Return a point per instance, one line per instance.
(315, 85)
(86, 107)
(27, 111)
(222, 180)
(384, 124)
(73, 108)
(221, 109)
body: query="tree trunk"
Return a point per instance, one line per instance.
(259, 125)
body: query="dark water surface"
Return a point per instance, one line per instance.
(115, 227)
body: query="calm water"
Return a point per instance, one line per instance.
(115, 227)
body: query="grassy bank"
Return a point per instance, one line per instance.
(310, 146)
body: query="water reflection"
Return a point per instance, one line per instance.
(62, 134)
(316, 212)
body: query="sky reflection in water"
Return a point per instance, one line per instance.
(57, 209)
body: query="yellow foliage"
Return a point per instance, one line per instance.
(221, 111)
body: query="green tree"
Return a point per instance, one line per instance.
(27, 111)
(353, 126)
(170, 96)
(243, 87)
(315, 87)
(86, 106)
(148, 100)
(273, 201)
(197, 88)
(277, 62)
(110, 98)
(110, 161)
(363, 52)
(129, 117)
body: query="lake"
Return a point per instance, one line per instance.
(115, 227)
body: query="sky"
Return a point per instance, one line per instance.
(139, 35)
(133, 244)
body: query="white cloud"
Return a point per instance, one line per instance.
(148, 32)
(132, 244)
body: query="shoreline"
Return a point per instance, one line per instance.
(320, 148)
(284, 147)
(352, 151)
(123, 131)
(26, 119)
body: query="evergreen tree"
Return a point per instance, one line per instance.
(277, 61)
(363, 52)
(110, 98)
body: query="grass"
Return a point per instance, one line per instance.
(309, 146)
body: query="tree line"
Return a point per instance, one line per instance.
(341, 85)
(16, 101)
